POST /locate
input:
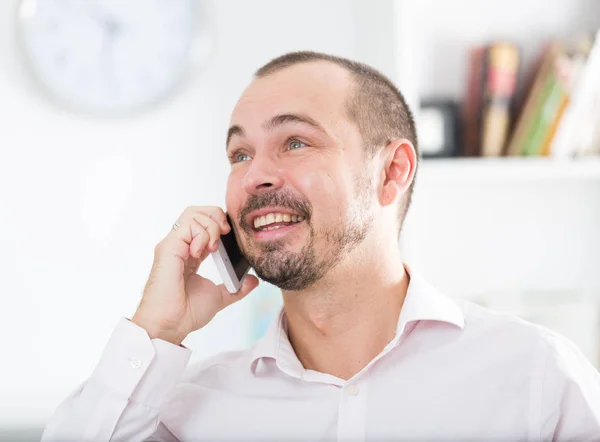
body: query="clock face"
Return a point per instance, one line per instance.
(108, 56)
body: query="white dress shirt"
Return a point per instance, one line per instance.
(454, 371)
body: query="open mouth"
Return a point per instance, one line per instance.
(275, 220)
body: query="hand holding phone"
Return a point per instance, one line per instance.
(177, 300)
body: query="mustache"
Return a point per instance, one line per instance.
(280, 198)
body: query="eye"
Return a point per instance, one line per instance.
(238, 157)
(295, 144)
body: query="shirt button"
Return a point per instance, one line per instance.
(135, 362)
(352, 390)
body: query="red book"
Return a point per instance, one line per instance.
(501, 69)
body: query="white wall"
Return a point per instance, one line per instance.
(84, 201)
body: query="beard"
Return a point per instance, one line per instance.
(295, 271)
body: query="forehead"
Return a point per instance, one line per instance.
(318, 89)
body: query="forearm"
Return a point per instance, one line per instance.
(122, 399)
(93, 413)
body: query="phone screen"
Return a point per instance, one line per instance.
(238, 261)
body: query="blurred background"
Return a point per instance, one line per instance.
(113, 115)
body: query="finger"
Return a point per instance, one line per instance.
(200, 244)
(188, 229)
(215, 213)
(211, 227)
(218, 215)
(250, 283)
(199, 250)
(179, 241)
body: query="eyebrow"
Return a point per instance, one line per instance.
(276, 121)
(234, 130)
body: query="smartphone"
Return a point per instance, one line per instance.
(230, 261)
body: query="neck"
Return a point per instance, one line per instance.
(340, 324)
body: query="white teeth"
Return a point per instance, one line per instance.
(270, 218)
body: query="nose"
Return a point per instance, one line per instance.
(262, 175)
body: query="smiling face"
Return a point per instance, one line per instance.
(299, 192)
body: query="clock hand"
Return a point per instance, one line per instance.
(109, 24)
(108, 44)
(111, 30)
(112, 27)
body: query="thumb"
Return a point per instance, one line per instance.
(250, 283)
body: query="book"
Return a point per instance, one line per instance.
(552, 100)
(527, 129)
(578, 121)
(586, 117)
(472, 104)
(572, 72)
(501, 64)
(558, 103)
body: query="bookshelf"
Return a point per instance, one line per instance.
(518, 229)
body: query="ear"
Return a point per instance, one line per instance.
(399, 160)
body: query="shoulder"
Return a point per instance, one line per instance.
(563, 385)
(502, 325)
(513, 337)
(508, 332)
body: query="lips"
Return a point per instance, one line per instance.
(273, 220)
(269, 217)
(275, 231)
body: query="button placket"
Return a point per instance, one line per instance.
(352, 412)
(352, 390)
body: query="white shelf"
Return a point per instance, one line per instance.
(508, 169)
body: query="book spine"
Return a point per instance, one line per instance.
(566, 68)
(471, 115)
(532, 102)
(561, 145)
(500, 85)
(539, 124)
(546, 146)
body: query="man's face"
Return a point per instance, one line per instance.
(299, 194)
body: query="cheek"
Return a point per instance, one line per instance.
(327, 191)
(233, 194)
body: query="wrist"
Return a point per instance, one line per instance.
(156, 332)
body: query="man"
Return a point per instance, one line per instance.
(323, 159)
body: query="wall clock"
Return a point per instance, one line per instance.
(108, 57)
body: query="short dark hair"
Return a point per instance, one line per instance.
(376, 105)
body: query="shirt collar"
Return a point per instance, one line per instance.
(423, 302)
(276, 345)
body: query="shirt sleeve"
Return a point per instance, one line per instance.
(123, 398)
(570, 394)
